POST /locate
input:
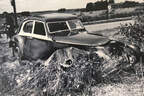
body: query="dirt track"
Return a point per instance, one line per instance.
(106, 29)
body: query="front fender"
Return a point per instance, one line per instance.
(129, 53)
(135, 53)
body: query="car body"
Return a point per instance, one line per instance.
(39, 36)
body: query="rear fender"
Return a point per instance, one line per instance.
(19, 42)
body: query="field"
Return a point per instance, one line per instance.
(102, 15)
(123, 84)
(116, 11)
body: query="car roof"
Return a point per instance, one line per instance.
(54, 17)
(58, 17)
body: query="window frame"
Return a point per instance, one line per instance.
(41, 37)
(22, 27)
(76, 28)
(67, 23)
(44, 28)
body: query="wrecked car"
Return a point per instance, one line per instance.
(39, 36)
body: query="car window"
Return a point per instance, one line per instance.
(39, 28)
(75, 24)
(28, 27)
(57, 26)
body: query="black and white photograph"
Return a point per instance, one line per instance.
(71, 47)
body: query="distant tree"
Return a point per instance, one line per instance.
(100, 5)
(62, 10)
(127, 4)
(25, 13)
(3, 14)
(111, 2)
(90, 7)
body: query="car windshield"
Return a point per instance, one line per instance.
(55, 27)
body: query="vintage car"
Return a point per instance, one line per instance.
(39, 36)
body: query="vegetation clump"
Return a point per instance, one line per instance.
(134, 33)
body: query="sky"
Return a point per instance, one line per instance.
(40, 5)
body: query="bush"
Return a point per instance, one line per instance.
(134, 33)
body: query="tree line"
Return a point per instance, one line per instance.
(102, 5)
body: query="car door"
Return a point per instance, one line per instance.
(39, 43)
(26, 32)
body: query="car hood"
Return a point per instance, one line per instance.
(82, 39)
